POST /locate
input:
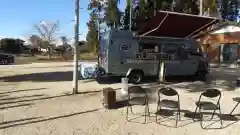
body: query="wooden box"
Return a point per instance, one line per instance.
(109, 98)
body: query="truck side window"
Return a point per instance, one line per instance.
(171, 51)
(147, 50)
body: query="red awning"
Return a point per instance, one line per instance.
(178, 25)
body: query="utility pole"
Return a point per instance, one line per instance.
(98, 23)
(201, 8)
(76, 34)
(130, 16)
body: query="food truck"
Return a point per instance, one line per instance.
(125, 54)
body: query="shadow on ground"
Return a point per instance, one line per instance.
(167, 117)
(206, 117)
(21, 122)
(224, 81)
(7, 101)
(14, 106)
(41, 77)
(17, 91)
(170, 80)
(22, 97)
(49, 66)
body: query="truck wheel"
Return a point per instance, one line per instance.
(201, 75)
(135, 77)
(2, 62)
(6, 62)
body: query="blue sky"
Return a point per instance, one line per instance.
(18, 17)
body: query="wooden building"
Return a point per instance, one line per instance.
(221, 45)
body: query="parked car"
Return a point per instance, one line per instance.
(6, 59)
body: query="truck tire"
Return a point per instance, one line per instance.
(6, 62)
(3, 62)
(135, 77)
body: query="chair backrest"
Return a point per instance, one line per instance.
(211, 93)
(136, 90)
(167, 91)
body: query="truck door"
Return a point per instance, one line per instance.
(188, 65)
(171, 59)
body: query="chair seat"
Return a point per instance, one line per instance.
(206, 105)
(169, 103)
(236, 99)
(137, 101)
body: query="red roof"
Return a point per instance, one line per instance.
(178, 25)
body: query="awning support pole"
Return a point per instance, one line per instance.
(200, 29)
(156, 27)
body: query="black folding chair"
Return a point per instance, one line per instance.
(209, 105)
(137, 96)
(171, 104)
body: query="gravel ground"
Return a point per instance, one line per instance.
(35, 100)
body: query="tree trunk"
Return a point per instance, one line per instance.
(62, 56)
(49, 53)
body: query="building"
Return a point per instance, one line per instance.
(221, 45)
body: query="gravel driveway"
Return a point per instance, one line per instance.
(35, 100)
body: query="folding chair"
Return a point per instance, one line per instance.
(137, 96)
(172, 104)
(208, 105)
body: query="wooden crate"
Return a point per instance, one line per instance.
(109, 98)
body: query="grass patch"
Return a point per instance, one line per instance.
(41, 58)
(87, 56)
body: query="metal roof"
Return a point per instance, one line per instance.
(177, 25)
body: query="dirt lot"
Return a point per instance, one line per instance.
(35, 100)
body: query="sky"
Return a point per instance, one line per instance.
(18, 17)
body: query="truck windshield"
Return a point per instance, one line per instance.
(104, 42)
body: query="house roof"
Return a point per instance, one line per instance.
(221, 28)
(227, 29)
(178, 25)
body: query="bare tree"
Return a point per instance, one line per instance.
(47, 32)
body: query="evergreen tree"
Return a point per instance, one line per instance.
(126, 18)
(211, 7)
(229, 10)
(112, 14)
(95, 7)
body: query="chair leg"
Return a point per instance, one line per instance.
(145, 114)
(131, 109)
(195, 113)
(148, 111)
(158, 110)
(176, 120)
(179, 113)
(220, 113)
(147, 107)
(234, 108)
(201, 118)
(127, 113)
(213, 114)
